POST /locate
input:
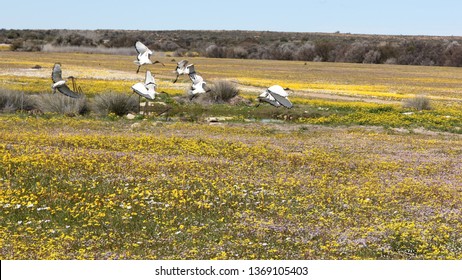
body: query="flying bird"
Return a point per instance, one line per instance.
(146, 89)
(198, 83)
(276, 96)
(144, 56)
(60, 84)
(182, 68)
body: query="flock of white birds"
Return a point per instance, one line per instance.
(274, 95)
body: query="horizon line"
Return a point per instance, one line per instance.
(236, 30)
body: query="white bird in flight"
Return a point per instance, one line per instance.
(148, 88)
(276, 96)
(198, 83)
(144, 56)
(60, 84)
(183, 68)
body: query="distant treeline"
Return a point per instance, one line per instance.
(331, 47)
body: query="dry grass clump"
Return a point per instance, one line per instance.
(61, 104)
(222, 91)
(419, 103)
(12, 101)
(116, 103)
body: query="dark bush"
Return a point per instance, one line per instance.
(453, 54)
(323, 49)
(356, 52)
(414, 50)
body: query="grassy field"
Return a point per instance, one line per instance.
(348, 173)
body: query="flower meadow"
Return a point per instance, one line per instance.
(98, 188)
(347, 173)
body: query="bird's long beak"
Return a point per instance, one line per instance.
(288, 89)
(157, 61)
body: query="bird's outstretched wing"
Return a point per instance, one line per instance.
(191, 68)
(270, 101)
(56, 74)
(281, 99)
(150, 84)
(142, 90)
(280, 95)
(141, 48)
(182, 63)
(196, 79)
(64, 89)
(277, 89)
(149, 78)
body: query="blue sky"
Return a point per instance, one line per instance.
(442, 17)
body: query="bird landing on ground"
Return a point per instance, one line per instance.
(148, 88)
(276, 96)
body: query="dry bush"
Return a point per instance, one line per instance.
(61, 104)
(372, 57)
(306, 52)
(355, 52)
(222, 91)
(12, 101)
(418, 103)
(117, 103)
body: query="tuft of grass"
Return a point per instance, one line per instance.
(220, 92)
(419, 103)
(223, 91)
(116, 103)
(61, 104)
(12, 101)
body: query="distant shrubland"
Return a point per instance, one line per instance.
(331, 47)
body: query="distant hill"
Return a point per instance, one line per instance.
(332, 47)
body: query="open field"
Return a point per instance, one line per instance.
(346, 174)
(384, 82)
(324, 93)
(83, 189)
